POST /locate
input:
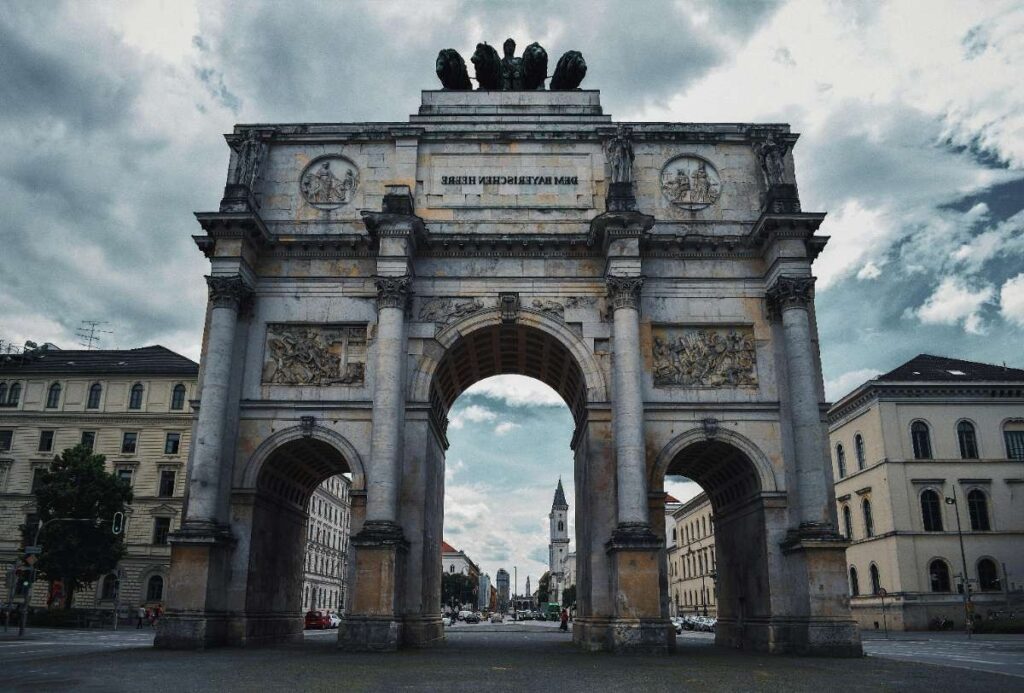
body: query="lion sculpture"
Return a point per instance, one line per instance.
(451, 70)
(569, 72)
(488, 67)
(535, 66)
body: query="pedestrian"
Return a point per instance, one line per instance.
(565, 619)
(141, 614)
(157, 613)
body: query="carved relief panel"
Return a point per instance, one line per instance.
(690, 182)
(320, 355)
(703, 356)
(329, 182)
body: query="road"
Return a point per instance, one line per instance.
(1002, 654)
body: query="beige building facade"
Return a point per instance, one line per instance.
(327, 535)
(931, 443)
(692, 567)
(132, 406)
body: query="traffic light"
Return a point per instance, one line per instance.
(22, 580)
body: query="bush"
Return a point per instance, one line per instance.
(1015, 625)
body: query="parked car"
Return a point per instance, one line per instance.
(472, 618)
(335, 620)
(677, 623)
(463, 614)
(446, 620)
(496, 618)
(317, 620)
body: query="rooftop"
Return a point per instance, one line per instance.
(929, 368)
(149, 360)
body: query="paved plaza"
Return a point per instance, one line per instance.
(498, 657)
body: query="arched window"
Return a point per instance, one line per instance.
(977, 507)
(854, 583)
(108, 589)
(931, 511)
(968, 440)
(876, 581)
(988, 578)
(938, 571)
(14, 395)
(155, 589)
(94, 396)
(1013, 435)
(135, 399)
(3, 393)
(841, 460)
(178, 397)
(922, 440)
(858, 449)
(561, 526)
(53, 396)
(869, 523)
(848, 521)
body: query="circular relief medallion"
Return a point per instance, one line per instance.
(329, 182)
(690, 182)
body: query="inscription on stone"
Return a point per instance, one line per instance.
(510, 180)
(690, 182)
(703, 357)
(315, 355)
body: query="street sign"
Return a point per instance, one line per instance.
(33, 550)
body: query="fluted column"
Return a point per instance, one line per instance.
(384, 477)
(789, 300)
(226, 295)
(627, 403)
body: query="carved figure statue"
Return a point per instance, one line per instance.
(448, 310)
(451, 70)
(771, 153)
(310, 356)
(705, 358)
(569, 72)
(323, 187)
(511, 68)
(620, 155)
(251, 153)
(535, 66)
(488, 67)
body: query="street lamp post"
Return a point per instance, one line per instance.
(963, 558)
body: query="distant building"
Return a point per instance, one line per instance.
(501, 578)
(456, 562)
(691, 559)
(327, 534)
(484, 591)
(558, 548)
(904, 445)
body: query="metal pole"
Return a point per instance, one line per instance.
(963, 558)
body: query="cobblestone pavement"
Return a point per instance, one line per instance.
(516, 657)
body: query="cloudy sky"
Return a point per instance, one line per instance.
(912, 122)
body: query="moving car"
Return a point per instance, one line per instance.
(318, 620)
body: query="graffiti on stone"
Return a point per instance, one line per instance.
(329, 182)
(690, 182)
(704, 357)
(317, 355)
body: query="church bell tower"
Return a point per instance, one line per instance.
(558, 549)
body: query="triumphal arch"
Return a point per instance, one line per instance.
(656, 275)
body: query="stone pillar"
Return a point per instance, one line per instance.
(226, 295)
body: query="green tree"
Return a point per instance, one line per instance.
(544, 588)
(77, 486)
(457, 588)
(569, 596)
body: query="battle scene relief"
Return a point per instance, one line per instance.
(703, 357)
(317, 355)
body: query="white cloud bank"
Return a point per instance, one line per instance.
(954, 302)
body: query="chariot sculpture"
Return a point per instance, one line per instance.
(494, 73)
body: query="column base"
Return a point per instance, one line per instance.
(422, 631)
(177, 630)
(624, 636)
(369, 634)
(797, 636)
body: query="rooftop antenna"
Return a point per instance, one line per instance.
(89, 332)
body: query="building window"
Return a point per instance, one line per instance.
(1013, 434)
(88, 439)
(561, 526)
(858, 449)
(37, 478)
(166, 483)
(876, 581)
(161, 528)
(53, 396)
(172, 443)
(968, 440)
(45, 441)
(129, 442)
(155, 589)
(854, 583)
(135, 398)
(29, 529)
(869, 523)
(178, 397)
(14, 395)
(108, 588)
(125, 474)
(931, 511)
(94, 396)
(988, 578)
(848, 521)
(938, 571)
(6, 439)
(922, 440)
(841, 460)
(977, 507)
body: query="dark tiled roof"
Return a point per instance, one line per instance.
(559, 501)
(928, 368)
(150, 360)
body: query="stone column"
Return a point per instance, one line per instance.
(790, 300)
(628, 404)
(226, 295)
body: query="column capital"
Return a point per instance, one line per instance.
(624, 292)
(228, 291)
(393, 292)
(789, 292)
